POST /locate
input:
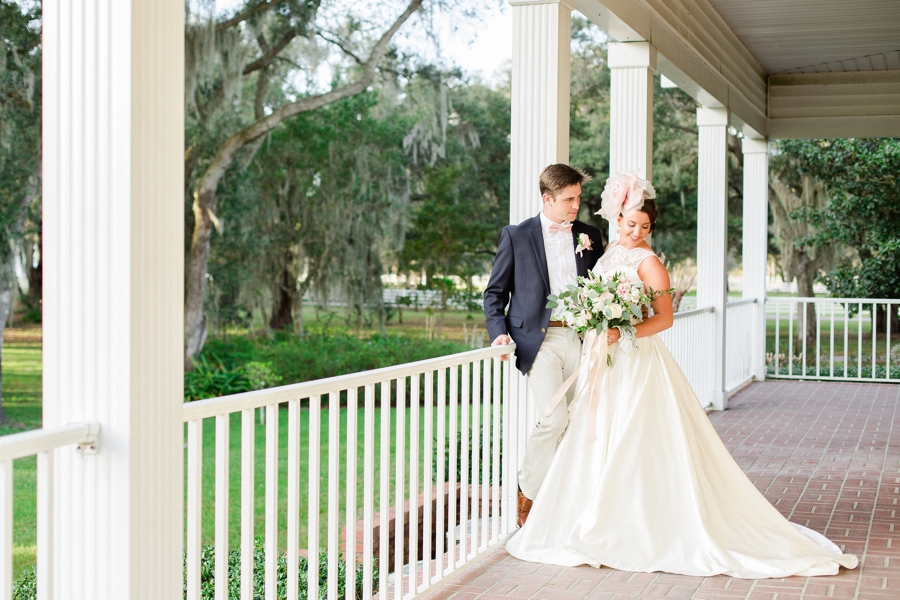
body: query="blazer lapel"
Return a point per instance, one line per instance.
(537, 240)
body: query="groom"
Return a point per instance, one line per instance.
(538, 257)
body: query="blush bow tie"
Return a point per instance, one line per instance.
(564, 226)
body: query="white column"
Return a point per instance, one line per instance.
(539, 132)
(113, 135)
(755, 254)
(631, 65)
(712, 264)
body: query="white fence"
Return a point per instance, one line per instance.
(689, 342)
(408, 460)
(740, 333)
(847, 339)
(41, 443)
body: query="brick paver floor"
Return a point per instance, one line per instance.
(826, 454)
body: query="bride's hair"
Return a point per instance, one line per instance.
(651, 209)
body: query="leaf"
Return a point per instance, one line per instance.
(551, 304)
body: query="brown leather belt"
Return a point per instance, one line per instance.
(556, 324)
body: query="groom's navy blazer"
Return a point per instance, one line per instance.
(520, 278)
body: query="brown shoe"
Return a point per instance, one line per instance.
(524, 508)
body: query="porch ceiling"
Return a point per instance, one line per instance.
(811, 36)
(784, 68)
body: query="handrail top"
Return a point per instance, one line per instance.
(741, 302)
(29, 443)
(796, 299)
(696, 311)
(211, 407)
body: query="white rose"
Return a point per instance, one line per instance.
(614, 311)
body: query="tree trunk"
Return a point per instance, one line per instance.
(5, 306)
(283, 302)
(35, 272)
(298, 313)
(881, 320)
(805, 280)
(194, 319)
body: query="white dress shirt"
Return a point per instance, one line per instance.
(559, 248)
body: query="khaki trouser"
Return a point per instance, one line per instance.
(558, 358)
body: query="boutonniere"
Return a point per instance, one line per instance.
(584, 243)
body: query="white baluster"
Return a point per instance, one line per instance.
(315, 427)
(248, 500)
(194, 506)
(221, 508)
(350, 550)
(368, 490)
(334, 528)
(293, 499)
(271, 573)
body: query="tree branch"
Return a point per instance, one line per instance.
(269, 56)
(19, 98)
(342, 47)
(262, 7)
(259, 128)
(262, 83)
(270, 53)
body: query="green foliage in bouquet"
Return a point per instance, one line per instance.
(602, 302)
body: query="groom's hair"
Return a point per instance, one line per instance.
(556, 178)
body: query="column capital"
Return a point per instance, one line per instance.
(713, 116)
(625, 55)
(754, 145)
(570, 4)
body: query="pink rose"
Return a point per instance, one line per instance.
(622, 289)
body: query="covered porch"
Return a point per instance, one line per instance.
(120, 460)
(826, 454)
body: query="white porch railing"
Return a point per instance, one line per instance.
(847, 339)
(689, 342)
(458, 401)
(41, 443)
(740, 331)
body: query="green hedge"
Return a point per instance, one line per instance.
(238, 364)
(24, 589)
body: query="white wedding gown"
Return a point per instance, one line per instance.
(647, 484)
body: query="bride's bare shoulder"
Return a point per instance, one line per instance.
(653, 272)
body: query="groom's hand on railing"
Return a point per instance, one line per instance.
(502, 340)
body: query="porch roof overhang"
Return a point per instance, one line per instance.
(784, 68)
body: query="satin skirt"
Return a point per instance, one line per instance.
(641, 481)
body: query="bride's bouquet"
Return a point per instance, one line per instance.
(603, 302)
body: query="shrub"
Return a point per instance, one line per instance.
(24, 588)
(489, 471)
(210, 381)
(295, 359)
(207, 574)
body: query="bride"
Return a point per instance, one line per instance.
(641, 480)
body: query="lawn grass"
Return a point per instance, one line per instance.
(208, 475)
(22, 406)
(831, 341)
(22, 401)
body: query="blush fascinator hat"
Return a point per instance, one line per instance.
(623, 194)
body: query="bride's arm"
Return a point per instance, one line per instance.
(654, 275)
